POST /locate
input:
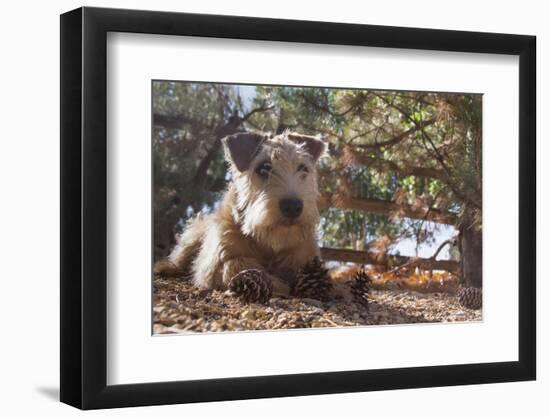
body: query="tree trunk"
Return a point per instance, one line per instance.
(471, 255)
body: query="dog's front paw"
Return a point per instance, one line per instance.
(167, 269)
(251, 286)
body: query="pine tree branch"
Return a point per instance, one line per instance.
(256, 110)
(400, 137)
(465, 198)
(326, 109)
(386, 165)
(169, 121)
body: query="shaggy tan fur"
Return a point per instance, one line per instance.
(249, 230)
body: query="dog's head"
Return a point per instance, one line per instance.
(275, 181)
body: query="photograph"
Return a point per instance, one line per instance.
(294, 207)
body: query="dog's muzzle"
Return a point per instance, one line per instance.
(291, 207)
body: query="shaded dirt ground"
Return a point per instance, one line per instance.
(180, 307)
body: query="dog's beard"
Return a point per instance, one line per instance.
(283, 237)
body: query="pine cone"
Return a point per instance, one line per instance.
(251, 286)
(470, 297)
(312, 281)
(360, 286)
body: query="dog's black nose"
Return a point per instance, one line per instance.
(291, 207)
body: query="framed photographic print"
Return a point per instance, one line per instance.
(257, 208)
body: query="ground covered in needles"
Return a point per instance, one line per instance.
(179, 307)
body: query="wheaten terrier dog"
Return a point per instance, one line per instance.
(264, 231)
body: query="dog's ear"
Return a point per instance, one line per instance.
(312, 144)
(241, 148)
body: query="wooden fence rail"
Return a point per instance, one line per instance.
(360, 257)
(388, 208)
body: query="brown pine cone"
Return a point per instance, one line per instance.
(251, 286)
(360, 286)
(312, 281)
(471, 298)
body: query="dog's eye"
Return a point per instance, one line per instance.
(303, 168)
(264, 169)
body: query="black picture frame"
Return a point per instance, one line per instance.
(84, 207)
